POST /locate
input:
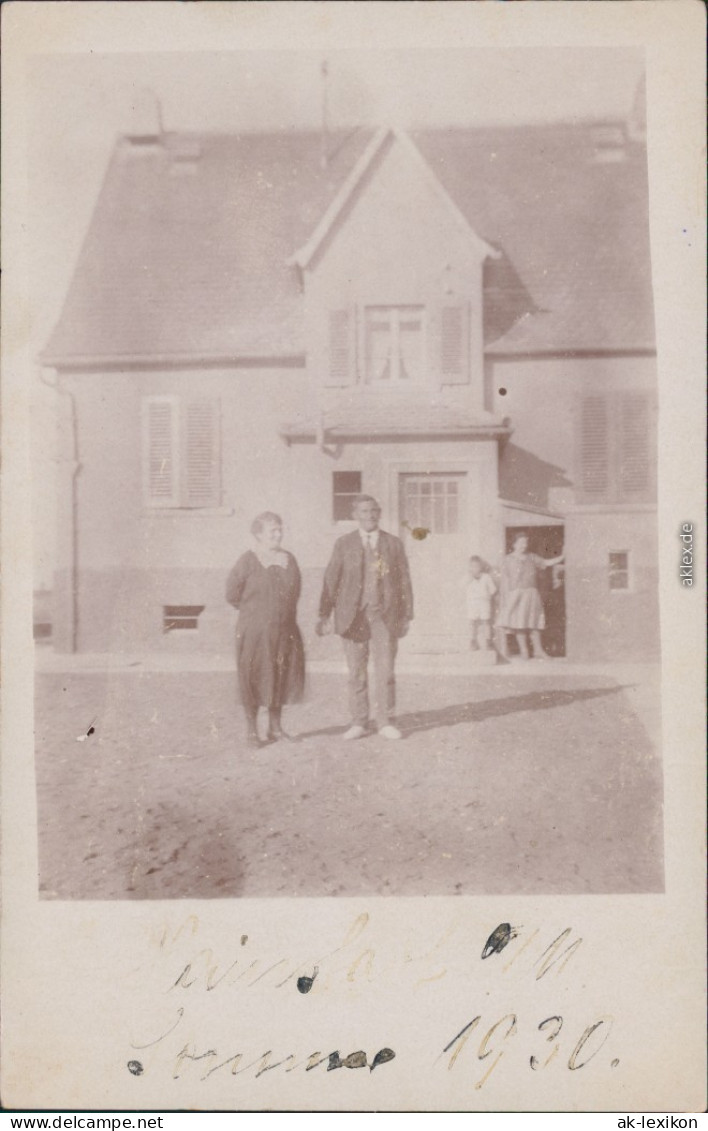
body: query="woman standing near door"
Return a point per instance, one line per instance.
(520, 605)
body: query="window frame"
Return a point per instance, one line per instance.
(393, 382)
(344, 494)
(627, 571)
(179, 619)
(430, 478)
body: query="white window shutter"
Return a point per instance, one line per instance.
(594, 448)
(455, 344)
(161, 451)
(201, 462)
(634, 447)
(340, 366)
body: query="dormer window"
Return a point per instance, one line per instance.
(394, 345)
(401, 347)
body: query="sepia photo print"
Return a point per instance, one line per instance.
(345, 475)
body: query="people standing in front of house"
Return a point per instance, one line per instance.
(264, 586)
(480, 591)
(367, 586)
(521, 608)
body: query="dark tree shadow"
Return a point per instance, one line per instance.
(457, 714)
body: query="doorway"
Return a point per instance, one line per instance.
(548, 542)
(432, 514)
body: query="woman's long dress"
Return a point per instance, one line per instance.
(269, 649)
(520, 606)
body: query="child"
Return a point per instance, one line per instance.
(480, 590)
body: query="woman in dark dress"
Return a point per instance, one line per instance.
(264, 586)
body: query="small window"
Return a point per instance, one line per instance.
(618, 572)
(181, 617)
(346, 485)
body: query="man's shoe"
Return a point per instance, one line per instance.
(355, 731)
(390, 731)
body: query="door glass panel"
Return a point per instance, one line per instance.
(452, 520)
(431, 501)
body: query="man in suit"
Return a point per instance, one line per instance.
(367, 584)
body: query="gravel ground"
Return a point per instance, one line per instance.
(513, 784)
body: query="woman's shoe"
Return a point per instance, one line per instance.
(253, 742)
(277, 734)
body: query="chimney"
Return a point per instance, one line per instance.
(324, 151)
(146, 119)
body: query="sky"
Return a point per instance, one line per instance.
(78, 104)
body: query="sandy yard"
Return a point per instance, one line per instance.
(508, 783)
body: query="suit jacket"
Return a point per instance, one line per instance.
(343, 584)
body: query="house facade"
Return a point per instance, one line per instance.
(456, 322)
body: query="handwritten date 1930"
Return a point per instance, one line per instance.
(493, 1044)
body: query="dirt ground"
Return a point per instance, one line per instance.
(502, 784)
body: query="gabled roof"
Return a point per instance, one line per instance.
(187, 255)
(303, 256)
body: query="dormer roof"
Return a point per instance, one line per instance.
(305, 255)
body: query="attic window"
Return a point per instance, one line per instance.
(181, 617)
(394, 344)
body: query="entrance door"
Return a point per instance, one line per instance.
(548, 542)
(432, 511)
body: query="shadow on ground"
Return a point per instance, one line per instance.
(547, 784)
(456, 714)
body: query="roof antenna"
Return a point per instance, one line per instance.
(324, 159)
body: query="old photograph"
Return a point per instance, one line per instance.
(345, 475)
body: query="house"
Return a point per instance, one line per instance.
(458, 322)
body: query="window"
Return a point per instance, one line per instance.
(431, 501)
(181, 617)
(346, 485)
(618, 571)
(181, 459)
(616, 447)
(394, 350)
